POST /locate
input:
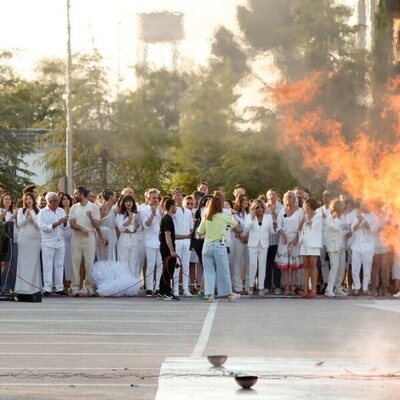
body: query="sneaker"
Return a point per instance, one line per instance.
(329, 294)
(91, 293)
(160, 296)
(176, 298)
(176, 292)
(167, 297)
(397, 295)
(356, 292)
(211, 298)
(249, 293)
(186, 293)
(267, 292)
(61, 293)
(75, 292)
(82, 292)
(340, 292)
(262, 292)
(278, 291)
(149, 293)
(233, 297)
(46, 293)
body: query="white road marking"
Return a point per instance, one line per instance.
(92, 354)
(75, 369)
(205, 332)
(71, 385)
(100, 311)
(97, 321)
(92, 344)
(95, 333)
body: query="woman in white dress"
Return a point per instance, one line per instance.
(128, 222)
(66, 204)
(288, 257)
(107, 243)
(29, 277)
(310, 241)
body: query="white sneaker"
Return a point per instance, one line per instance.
(75, 292)
(262, 292)
(340, 291)
(233, 297)
(176, 292)
(278, 291)
(329, 294)
(82, 292)
(186, 293)
(397, 295)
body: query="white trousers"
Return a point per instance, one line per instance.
(82, 248)
(128, 247)
(182, 248)
(257, 255)
(239, 254)
(53, 262)
(154, 263)
(365, 258)
(338, 269)
(324, 265)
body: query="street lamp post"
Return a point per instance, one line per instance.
(68, 141)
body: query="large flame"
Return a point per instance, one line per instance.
(366, 169)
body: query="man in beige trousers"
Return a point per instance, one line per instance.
(84, 218)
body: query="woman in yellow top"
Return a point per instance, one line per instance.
(215, 256)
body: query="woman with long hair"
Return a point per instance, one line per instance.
(29, 277)
(259, 225)
(239, 252)
(288, 256)
(215, 256)
(310, 245)
(106, 246)
(128, 222)
(66, 203)
(8, 213)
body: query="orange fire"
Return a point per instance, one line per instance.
(366, 169)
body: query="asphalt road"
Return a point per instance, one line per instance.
(96, 348)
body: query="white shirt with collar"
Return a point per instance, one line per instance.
(324, 211)
(259, 234)
(51, 237)
(183, 221)
(151, 233)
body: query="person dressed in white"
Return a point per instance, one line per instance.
(128, 223)
(310, 245)
(288, 256)
(259, 225)
(29, 277)
(336, 230)
(84, 219)
(107, 242)
(325, 212)
(52, 221)
(239, 251)
(150, 217)
(364, 229)
(183, 224)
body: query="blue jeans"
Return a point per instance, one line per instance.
(216, 267)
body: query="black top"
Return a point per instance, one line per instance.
(167, 224)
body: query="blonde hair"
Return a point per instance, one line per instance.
(336, 205)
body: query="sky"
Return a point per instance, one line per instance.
(37, 28)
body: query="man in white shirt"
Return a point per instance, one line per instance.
(150, 217)
(84, 218)
(324, 211)
(52, 220)
(183, 223)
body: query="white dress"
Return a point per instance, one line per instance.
(29, 276)
(107, 228)
(288, 256)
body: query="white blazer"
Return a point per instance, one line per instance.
(335, 232)
(314, 233)
(259, 235)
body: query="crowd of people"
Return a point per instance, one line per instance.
(196, 244)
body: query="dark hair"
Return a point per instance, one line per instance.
(2, 200)
(197, 194)
(34, 207)
(107, 193)
(82, 190)
(214, 206)
(237, 205)
(68, 197)
(28, 189)
(312, 203)
(168, 204)
(177, 190)
(239, 186)
(122, 208)
(163, 200)
(230, 202)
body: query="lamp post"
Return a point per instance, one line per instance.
(68, 141)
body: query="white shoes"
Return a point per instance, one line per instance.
(329, 294)
(233, 297)
(397, 295)
(186, 293)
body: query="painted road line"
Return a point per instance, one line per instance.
(91, 354)
(97, 321)
(71, 385)
(205, 332)
(279, 378)
(97, 311)
(384, 305)
(96, 333)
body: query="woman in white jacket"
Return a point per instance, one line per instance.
(336, 229)
(310, 245)
(259, 225)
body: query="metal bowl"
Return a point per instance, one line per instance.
(246, 381)
(217, 361)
